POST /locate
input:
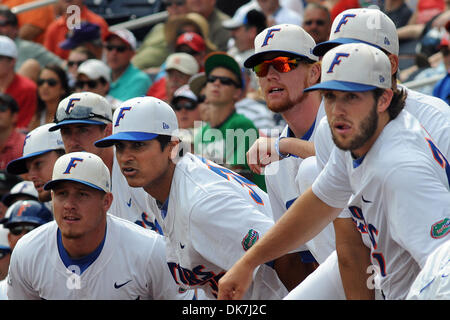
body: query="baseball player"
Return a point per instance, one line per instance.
(209, 214)
(284, 68)
(373, 27)
(22, 217)
(84, 118)
(41, 148)
(87, 253)
(379, 147)
(433, 281)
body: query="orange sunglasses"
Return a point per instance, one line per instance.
(281, 64)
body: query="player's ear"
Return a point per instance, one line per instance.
(314, 74)
(107, 201)
(385, 100)
(393, 59)
(108, 129)
(174, 150)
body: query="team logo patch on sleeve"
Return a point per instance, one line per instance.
(440, 229)
(249, 240)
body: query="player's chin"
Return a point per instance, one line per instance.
(133, 181)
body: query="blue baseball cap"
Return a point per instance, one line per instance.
(27, 211)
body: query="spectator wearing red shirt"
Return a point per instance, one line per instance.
(22, 89)
(57, 30)
(11, 139)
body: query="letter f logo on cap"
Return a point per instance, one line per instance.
(337, 60)
(344, 21)
(269, 35)
(121, 115)
(72, 164)
(71, 104)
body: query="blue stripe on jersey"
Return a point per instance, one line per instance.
(357, 162)
(82, 263)
(163, 207)
(306, 136)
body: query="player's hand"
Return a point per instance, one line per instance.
(235, 282)
(261, 154)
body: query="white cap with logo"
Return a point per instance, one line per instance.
(82, 167)
(37, 142)
(364, 25)
(83, 107)
(339, 65)
(141, 119)
(23, 188)
(287, 39)
(95, 69)
(182, 62)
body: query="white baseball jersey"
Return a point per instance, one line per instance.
(130, 265)
(211, 217)
(433, 282)
(283, 190)
(131, 203)
(432, 113)
(398, 195)
(3, 287)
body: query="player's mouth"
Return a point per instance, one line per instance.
(71, 218)
(341, 127)
(274, 91)
(129, 171)
(75, 149)
(39, 186)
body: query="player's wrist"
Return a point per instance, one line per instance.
(277, 148)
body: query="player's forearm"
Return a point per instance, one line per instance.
(297, 147)
(307, 216)
(354, 260)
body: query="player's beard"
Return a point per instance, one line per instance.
(287, 103)
(367, 129)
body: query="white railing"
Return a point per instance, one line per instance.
(32, 5)
(415, 84)
(130, 25)
(141, 22)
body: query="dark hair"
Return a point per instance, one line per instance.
(60, 152)
(257, 19)
(397, 103)
(9, 15)
(62, 76)
(163, 141)
(10, 102)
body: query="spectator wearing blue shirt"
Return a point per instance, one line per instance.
(127, 80)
